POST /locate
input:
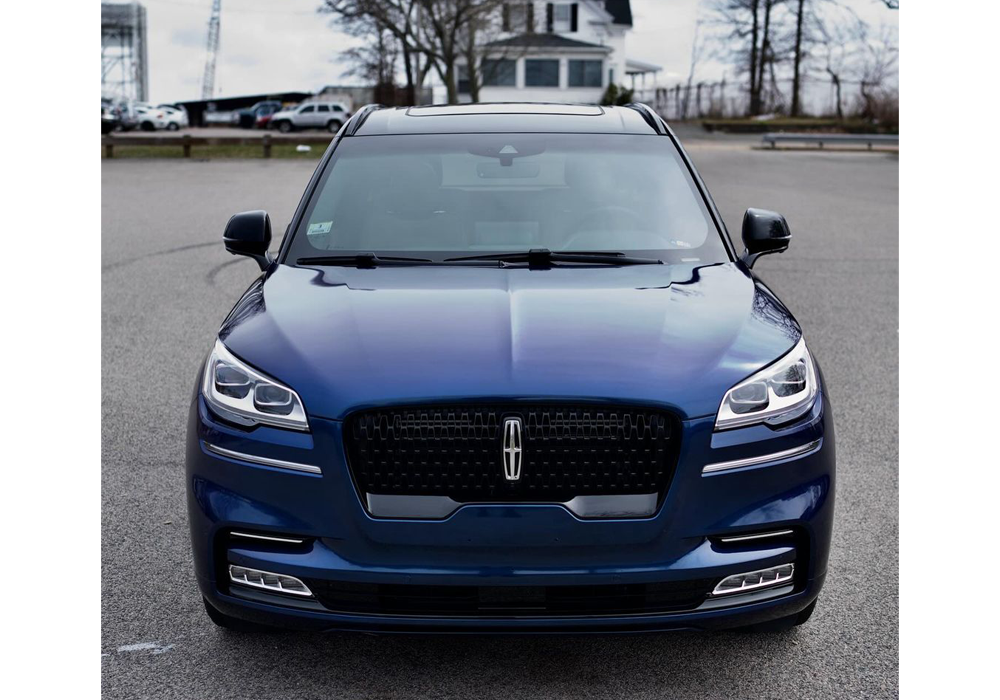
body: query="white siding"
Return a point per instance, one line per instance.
(594, 27)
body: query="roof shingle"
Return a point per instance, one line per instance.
(621, 10)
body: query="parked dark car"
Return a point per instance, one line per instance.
(247, 118)
(507, 372)
(109, 119)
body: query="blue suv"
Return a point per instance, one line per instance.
(508, 373)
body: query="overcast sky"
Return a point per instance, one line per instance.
(269, 46)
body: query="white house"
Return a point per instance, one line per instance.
(557, 52)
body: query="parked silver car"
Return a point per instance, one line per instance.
(311, 115)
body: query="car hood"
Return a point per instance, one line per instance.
(677, 336)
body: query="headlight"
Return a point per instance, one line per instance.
(779, 393)
(242, 395)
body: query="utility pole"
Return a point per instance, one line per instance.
(212, 51)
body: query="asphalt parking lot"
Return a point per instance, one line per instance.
(167, 283)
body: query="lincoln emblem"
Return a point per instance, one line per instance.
(512, 449)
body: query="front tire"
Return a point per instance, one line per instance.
(148, 126)
(782, 624)
(233, 624)
(285, 127)
(172, 127)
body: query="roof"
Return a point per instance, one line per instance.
(546, 41)
(633, 65)
(504, 117)
(621, 10)
(226, 103)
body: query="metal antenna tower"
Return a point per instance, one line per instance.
(212, 51)
(124, 69)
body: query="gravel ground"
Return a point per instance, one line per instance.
(166, 285)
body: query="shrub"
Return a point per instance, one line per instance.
(616, 95)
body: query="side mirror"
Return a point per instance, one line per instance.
(249, 233)
(764, 232)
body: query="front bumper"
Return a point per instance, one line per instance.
(498, 545)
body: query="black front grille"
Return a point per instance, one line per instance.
(500, 601)
(456, 451)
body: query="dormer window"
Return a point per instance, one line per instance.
(518, 17)
(562, 17)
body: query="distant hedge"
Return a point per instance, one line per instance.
(761, 126)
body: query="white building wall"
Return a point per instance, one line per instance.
(594, 27)
(562, 93)
(616, 60)
(590, 16)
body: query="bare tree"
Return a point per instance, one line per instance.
(876, 66)
(697, 51)
(453, 29)
(754, 57)
(766, 52)
(371, 19)
(836, 40)
(483, 49)
(374, 61)
(800, 12)
(747, 27)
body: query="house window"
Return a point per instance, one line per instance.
(517, 20)
(463, 79)
(498, 72)
(562, 17)
(541, 72)
(585, 73)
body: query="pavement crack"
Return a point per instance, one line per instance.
(150, 647)
(168, 251)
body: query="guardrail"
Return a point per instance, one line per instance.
(868, 139)
(186, 141)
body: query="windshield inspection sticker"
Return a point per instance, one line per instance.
(321, 227)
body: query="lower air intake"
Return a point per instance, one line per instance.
(505, 601)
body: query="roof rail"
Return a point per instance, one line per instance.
(651, 117)
(359, 118)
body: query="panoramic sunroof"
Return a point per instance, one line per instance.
(501, 108)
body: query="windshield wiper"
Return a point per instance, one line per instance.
(365, 260)
(542, 257)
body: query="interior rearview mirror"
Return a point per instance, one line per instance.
(249, 233)
(764, 232)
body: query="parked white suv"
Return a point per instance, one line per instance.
(310, 115)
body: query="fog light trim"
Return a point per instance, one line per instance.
(268, 581)
(755, 580)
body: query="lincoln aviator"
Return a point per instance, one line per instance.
(508, 372)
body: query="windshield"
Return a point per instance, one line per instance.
(446, 195)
